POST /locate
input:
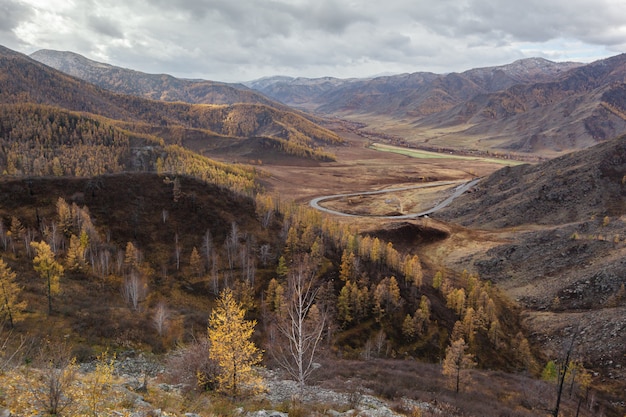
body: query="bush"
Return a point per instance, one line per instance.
(190, 366)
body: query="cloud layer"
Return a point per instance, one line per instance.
(241, 40)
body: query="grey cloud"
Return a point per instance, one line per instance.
(105, 26)
(11, 14)
(242, 39)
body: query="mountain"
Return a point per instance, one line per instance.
(415, 94)
(200, 127)
(576, 110)
(530, 106)
(152, 86)
(562, 245)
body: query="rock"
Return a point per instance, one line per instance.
(266, 413)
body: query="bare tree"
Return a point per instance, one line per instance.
(177, 251)
(160, 318)
(52, 391)
(265, 253)
(563, 368)
(231, 245)
(215, 276)
(301, 323)
(134, 290)
(266, 218)
(105, 262)
(207, 248)
(4, 237)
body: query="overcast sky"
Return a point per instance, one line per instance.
(240, 40)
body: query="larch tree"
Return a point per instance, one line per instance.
(195, 263)
(75, 258)
(457, 362)
(10, 307)
(48, 269)
(231, 348)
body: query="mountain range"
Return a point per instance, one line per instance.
(531, 106)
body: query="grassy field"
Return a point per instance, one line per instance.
(421, 154)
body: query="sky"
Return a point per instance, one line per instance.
(242, 40)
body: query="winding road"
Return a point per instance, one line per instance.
(315, 203)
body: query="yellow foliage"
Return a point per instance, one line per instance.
(49, 269)
(232, 349)
(10, 307)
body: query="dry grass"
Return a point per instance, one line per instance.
(488, 393)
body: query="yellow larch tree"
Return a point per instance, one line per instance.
(457, 362)
(48, 268)
(231, 347)
(10, 307)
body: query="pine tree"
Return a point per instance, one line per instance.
(231, 347)
(10, 308)
(49, 269)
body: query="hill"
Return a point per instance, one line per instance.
(197, 126)
(562, 246)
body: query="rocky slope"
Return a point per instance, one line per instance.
(563, 250)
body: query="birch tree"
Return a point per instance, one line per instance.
(300, 323)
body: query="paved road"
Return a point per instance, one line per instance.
(457, 192)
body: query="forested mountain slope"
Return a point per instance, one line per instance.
(27, 81)
(563, 254)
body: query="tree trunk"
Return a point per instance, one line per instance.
(49, 295)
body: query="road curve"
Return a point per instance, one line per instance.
(457, 192)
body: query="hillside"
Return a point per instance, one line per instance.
(152, 86)
(582, 107)
(197, 126)
(562, 248)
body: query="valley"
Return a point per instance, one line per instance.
(157, 196)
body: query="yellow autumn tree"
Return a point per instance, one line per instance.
(457, 362)
(48, 268)
(10, 307)
(231, 347)
(75, 258)
(97, 385)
